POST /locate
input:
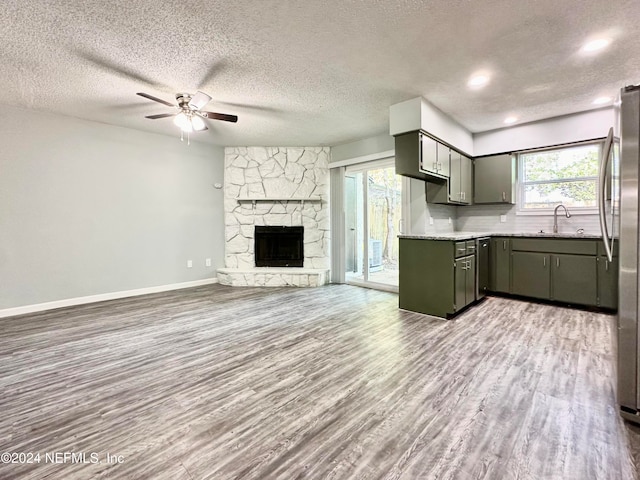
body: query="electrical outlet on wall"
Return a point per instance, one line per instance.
(430, 220)
(450, 222)
(503, 219)
(207, 262)
(189, 263)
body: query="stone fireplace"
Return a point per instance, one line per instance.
(276, 187)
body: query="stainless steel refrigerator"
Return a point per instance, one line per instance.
(619, 224)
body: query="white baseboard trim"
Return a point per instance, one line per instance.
(69, 302)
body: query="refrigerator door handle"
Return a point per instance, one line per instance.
(602, 181)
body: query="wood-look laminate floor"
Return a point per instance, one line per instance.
(330, 383)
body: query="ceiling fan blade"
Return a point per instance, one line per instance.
(199, 100)
(219, 116)
(215, 69)
(112, 67)
(251, 106)
(161, 115)
(155, 99)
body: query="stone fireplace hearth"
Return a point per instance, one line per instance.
(276, 186)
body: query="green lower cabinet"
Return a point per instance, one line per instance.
(465, 281)
(500, 269)
(460, 300)
(435, 278)
(574, 279)
(530, 275)
(438, 277)
(427, 276)
(607, 283)
(471, 279)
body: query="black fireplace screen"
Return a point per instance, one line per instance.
(279, 246)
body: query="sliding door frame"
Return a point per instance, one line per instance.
(338, 219)
(363, 168)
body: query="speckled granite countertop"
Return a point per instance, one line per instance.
(459, 236)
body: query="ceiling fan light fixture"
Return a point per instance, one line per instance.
(184, 122)
(197, 123)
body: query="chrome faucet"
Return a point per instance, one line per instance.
(555, 217)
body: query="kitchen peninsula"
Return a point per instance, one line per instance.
(442, 274)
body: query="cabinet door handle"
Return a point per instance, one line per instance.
(544, 261)
(557, 262)
(435, 166)
(606, 265)
(504, 244)
(504, 196)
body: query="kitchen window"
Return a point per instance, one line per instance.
(566, 175)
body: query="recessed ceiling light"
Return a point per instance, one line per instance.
(595, 45)
(478, 80)
(510, 120)
(601, 100)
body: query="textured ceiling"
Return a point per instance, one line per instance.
(313, 73)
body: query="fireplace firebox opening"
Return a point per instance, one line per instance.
(278, 246)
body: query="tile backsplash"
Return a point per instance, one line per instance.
(486, 218)
(429, 217)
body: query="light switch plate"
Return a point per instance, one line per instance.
(430, 220)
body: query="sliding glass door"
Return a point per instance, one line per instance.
(373, 218)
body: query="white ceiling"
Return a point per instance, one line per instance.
(301, 72)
